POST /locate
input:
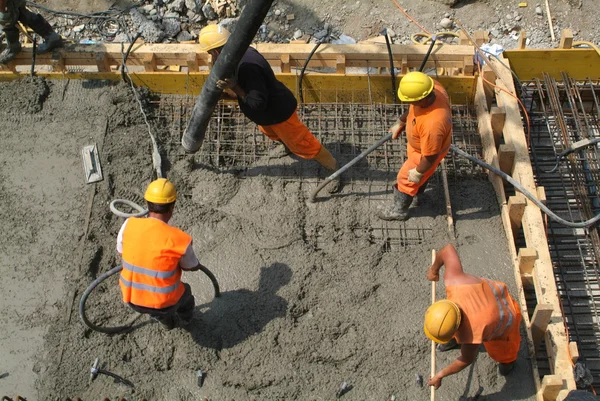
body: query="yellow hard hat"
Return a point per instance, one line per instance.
(161, 191)
(212, 37)
(441, 321)
(414, 86)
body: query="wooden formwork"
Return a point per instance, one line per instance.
(183, 69)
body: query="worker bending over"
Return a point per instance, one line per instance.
(428, 125)
(477, 311)
(266, 101)
(154, 254)
(14, 11)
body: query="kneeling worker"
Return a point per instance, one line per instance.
(266, 101)
(13, 11)
(428, 125)
(154, 254)
(477, 311)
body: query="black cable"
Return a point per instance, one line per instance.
(126, 55)
(433, 39)
(304, 68)
(392, 74)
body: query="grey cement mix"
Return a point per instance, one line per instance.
(308, 301)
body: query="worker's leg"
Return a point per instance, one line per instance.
(412, 160)
(505, 352)
(13, 46)
(40, 26)
(185, 306)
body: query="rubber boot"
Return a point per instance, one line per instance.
(420, 197)
(505, 368)
(51, 42)
(13, 47)
(398, 209)
(326, 159)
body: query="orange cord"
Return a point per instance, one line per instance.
(411, 18)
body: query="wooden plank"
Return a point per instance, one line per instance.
(463, 39)
(526, 260)
(150, 62)
(506, 158)
(539, 323)
(469, 67)
(566, 39)
(480, 37)
(534, 230)
(404, 64)
(103, 62)
(192, 62)
(516, 209)
(498, 117)
(57, 62)
(340, 67)
(490, 76)
(551, 387)
(574, 351)
(579, 63)
(522, 43)
(541, 194)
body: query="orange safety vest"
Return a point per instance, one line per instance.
(151, 276)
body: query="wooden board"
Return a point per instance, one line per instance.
(578, 63)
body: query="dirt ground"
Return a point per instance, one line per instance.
(309, 298)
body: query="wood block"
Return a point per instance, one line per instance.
(498, 116)
(574, 351)
(149, 62)
(290, 17)
(340, 66)
(516, 208)
(469, 67)
(541, 194)
(298, 42)
(102, 62)
(506, 158)
(463, 39)
(191, 61)
(551, 386)
(404, 67)
(539, 323)
(522, 39)
(566, 39)
(58, 62)
(480, 37)
(526, 260)
(285, 63)
(490, 76)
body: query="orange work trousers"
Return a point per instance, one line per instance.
(413, 158)
(506, 351)
(295, 135)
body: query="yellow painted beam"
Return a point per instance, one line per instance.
(578, 63)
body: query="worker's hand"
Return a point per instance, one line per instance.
(228, 94)
(435, 381)
(432, 275)
(4, 18)
(226, 83)
(414, 176)
(396, 129)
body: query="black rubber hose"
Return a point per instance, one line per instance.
(433, 39)
(126, 55)
(392, 74)
(33, 54)
(252, 17)
(122, 329)
(304, 68)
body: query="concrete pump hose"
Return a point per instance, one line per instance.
(529, 195)
(113, 208)
(315, 192)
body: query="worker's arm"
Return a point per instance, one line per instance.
(468, 353)
(189, 261)
(448, 257)
(426, 163)
(400, 125)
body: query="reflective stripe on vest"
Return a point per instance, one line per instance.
(506, 316)
(151, 252)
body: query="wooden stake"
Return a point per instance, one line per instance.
(433, 289)
(550, 20)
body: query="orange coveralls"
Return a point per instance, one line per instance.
(429, 132)
(295, 135)
(489, 316)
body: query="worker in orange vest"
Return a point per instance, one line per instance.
(477, 311)
(428, 125)
(154, 255)
(267, 102)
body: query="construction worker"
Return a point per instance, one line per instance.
(477, 311)
(154, 254)
(266, 101)
(428, 125)
(14, 11)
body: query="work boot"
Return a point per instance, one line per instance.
(505, 368)
(326, 159)
(398, 208)
(51, 42)
(13, 46)
(447, 347)
(166, 322)
(420, 197)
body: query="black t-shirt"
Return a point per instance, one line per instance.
(267, 101)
